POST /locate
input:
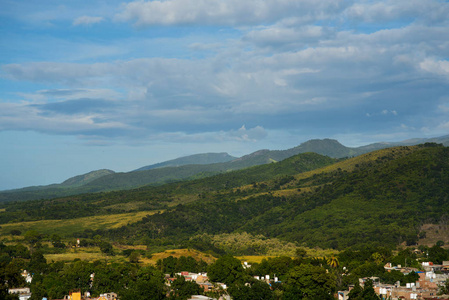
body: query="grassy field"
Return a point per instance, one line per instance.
(87, 254)
(69, 227)
(178, 253)
(251, 259)
(311, 252)
(93, 253)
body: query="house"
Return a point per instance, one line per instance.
(27, 276)
(107, 296)
(445, 267)
(23, 293)
(200, 297)
(343, 295)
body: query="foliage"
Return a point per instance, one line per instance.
(183, 289)
(444, 289)
(171, 265)
(309, 282)
(276, 266)
(227, 269)
(149, 284)
(365, 293)
(106, 248)
(255, 290)
(438, 254)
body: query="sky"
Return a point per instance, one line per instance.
(87, 85)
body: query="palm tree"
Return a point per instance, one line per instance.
(332, 261)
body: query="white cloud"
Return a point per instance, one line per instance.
(26, 117)
(439, 67)
(252, 134)
(398, 10)
(230, 12)
(444, 126)
(87, 20)
(42, 96)
(284, 65)
(389, 112)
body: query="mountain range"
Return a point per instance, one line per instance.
(381, 198)
(193, 166)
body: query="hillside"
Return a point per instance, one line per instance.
(381, 198)
(71, 186)
(154, 198)
(157, 174)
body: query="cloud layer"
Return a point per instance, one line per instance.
(200, 67)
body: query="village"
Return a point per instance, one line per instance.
(428, 287)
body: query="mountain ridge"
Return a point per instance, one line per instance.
(178, 169)
(195, 159)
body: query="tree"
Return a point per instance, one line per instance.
(276, 265)
(332, 261)
(438, 254)
(444, 289)
(257, 290)
(148, 285)
(227, 269)
(134, 257)
(106, 248)
(38, 263)
(181, 289)
(309, 282)
(57, 241)
(32, 237)
(366, 293)
(15, 232)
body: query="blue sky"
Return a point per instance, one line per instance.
(86, 85)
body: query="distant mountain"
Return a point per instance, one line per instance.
(194, 166)
(328, 147)
(86, 178)
(69, 187)
(196, 159)
(444, 140)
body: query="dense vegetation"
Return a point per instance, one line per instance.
(300, 277)
(382, 200)
(155, 198)
(382, 197)
(362, 207)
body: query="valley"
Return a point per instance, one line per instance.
(388, 205)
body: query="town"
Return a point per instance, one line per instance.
(228, 278)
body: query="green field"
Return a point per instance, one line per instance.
(71, 226)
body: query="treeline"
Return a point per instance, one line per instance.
(284, 277)
(155, 198)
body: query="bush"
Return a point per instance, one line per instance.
(15, 232)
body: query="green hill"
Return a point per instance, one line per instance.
(171, 171)
(154, 198)
(382, 197)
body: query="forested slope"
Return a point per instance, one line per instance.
(155, 198)
(382, 197)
